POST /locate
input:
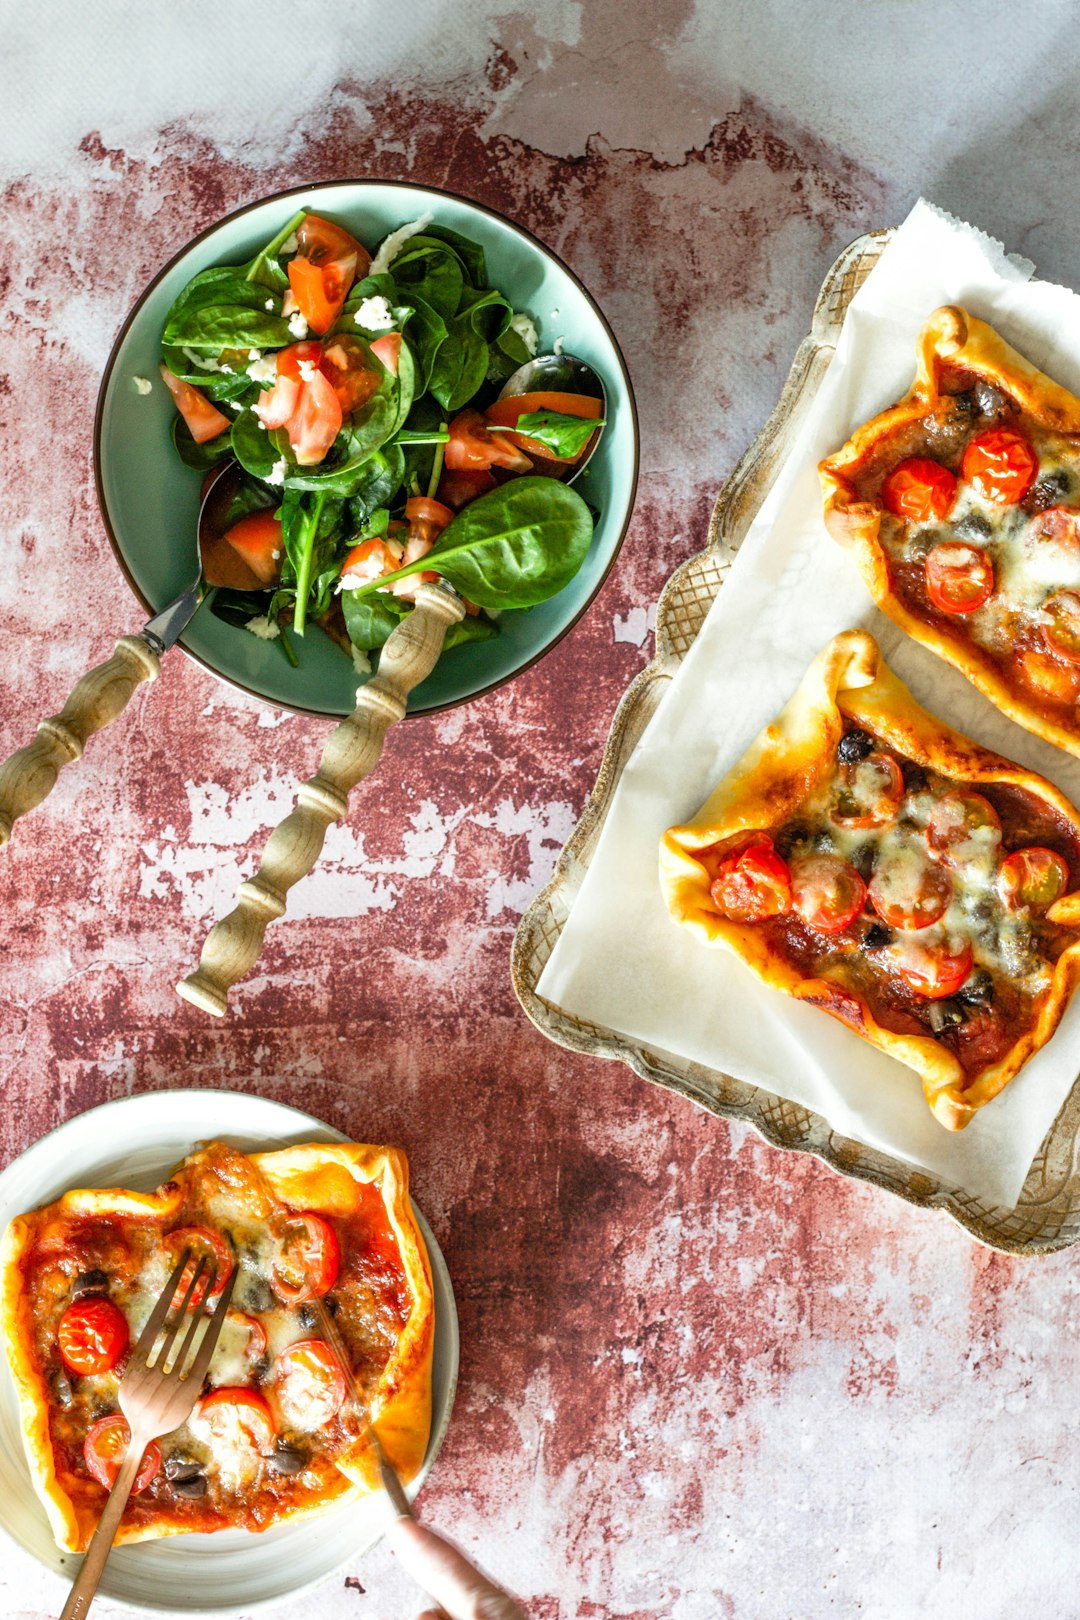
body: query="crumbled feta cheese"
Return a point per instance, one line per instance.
(262, 427)
(361, 662)
(261, 371)
(276, 475)
(264, 628)
(290, 244)
(394, 243)
(276, 554)
(269, 305)
(307, 369)
(142, 385)
(554, 313)
(237, 406)
(297, 325)
(525, 327)
(205, 363)
(557, 346)
(254, 354)
(374, 315)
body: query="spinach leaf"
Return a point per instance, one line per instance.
(199, 456)
(216, 385)
(370, 619)
(212, 328)
(310, 530)
(341, 473)
(237, 607)
(264, 269)
(461, 364)
(418, 454)
(426, 332)
(222, 284)
(505, 356)
(473, 627)
(470, 253)
(513, 547)
(429, 269)
(565, 436)
(378, 481)
(254, 448)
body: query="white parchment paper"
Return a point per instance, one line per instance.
(620, 961)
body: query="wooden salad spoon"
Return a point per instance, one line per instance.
(103, 693)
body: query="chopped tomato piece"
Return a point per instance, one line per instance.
(919, 490)
(867, 792)
(457, 489)
(959, 577)
(275, 405)
(1063, 630)
(934, 967)
(92, 1336)
(962, 826)
(308, 1259)
(909, 892)
(1001, 465)
(311, 1384)
(369, 560)
(323, 270)
(472, 447)
(316, 421)
(1034, 877)
(1059, 523)
(105, 1448)
(204, 420)
(388, 350)
(827, 892)
(1047, 675)
(505, 412)
(752, 882)
(200, 1240)
(351, 375)
(256, 1345)
(257, 538)
(235, 1413)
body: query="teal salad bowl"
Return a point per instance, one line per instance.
(150, 500)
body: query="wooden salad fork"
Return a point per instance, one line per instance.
(155, 1398)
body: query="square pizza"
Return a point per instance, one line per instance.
(867, 859)
(961, 506)
(275, 1434)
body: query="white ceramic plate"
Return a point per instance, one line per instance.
(135, 1142)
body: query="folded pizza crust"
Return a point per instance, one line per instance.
(777, 774)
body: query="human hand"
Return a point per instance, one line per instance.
(448, 1577)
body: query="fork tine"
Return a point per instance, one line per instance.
(196, 1316)
(161, 1310)
(172, 1328)
(213, 1331)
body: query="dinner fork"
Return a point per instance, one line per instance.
(155, 1399)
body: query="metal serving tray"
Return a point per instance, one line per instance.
(1047, 1216)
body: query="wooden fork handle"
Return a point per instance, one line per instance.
(351, 753)
(103, 693)
(87, 1580)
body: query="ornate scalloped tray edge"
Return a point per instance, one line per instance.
(1047, 1216)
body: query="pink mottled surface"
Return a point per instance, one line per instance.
(699, 1379)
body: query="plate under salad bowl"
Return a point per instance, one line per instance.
(150, 500)
(135, 1142)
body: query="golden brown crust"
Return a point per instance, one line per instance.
(950, 338)
(776, 775)
(320, 1177)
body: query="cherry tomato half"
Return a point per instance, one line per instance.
(92, 1336)
(326, 263)
(370, 560)
(1001, 465)
(827, 892)
(105, 1448)
(935, 967)
(347, 367)
(257, 539)
(867, 792)
(919, 490)
(962, 825)
(239, 1416)
(200, 1240)
(908, 892)
(1053, 679)
(274, 406)
(959, 577)
(308, 1259)
(1063, 631)
(473, 447)
(752, 882)
(256, 1345)
(1034, 877)
(316, 421)
(310, 1384)
(1060, 524)
(505, 412)
(204, 420)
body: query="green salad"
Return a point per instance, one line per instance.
(358, 396)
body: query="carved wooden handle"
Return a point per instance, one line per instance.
(30, 775)
(351, 753)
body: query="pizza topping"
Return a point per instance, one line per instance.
(1001, 465)
(1062, 627)
(854, 745)
(963, 827)
(959, 578)
(105, 1448)
(1060, 524)
(867, 793)
(1033, 877)
(308, 1259)
(826, 892)
(311, 1384)
(933, 964)
(238, 1417)
(752, 881)
(919, 490)
(201, 1241)
(90, 1282)
(908, 891)
(92, 1336)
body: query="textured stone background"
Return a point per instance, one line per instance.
(699, 1379)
